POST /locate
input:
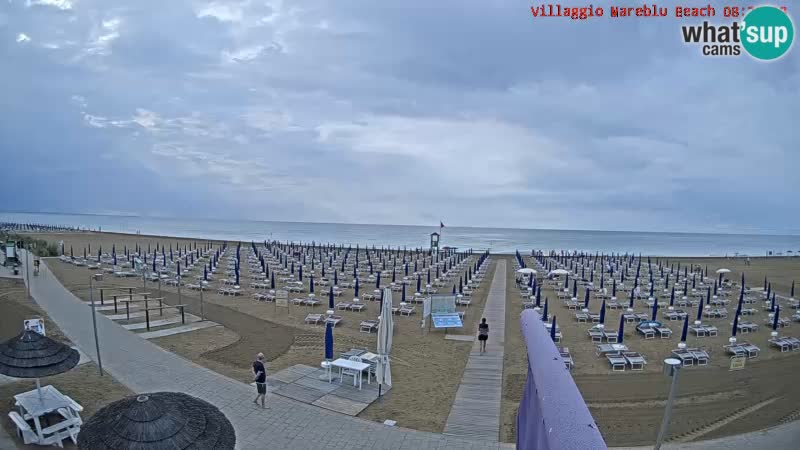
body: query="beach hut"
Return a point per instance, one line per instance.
(158, 420)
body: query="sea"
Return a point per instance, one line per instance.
(497, 240)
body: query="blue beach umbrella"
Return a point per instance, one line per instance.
(205, 273)
(538, 296)
(603, 312)
(685, 329)
(772, 304)
(574, 288)
(776, 318)
(329, 341)
(700, 311)
(672, 297)
(621, 329)
(311, 284)
(614, 288)
(377, 281)
(454, 289)
(792, 292)
(179, 269)
(735, 324)
(544, 314)
(300, 272)
(586, 299)
(419, 283)
(553, 329)
(429, 276)
(403, 297)
(655, 309)
(236, 271)
(356, 288)
(330, 298)
(335, 277)
(272, 281)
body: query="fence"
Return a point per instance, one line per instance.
(552, 413)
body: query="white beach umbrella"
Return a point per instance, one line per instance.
(526, 270)
(723, 270)
(383, 373)
(559, 272)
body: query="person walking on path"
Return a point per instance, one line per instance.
(483, 334)
(260, 377)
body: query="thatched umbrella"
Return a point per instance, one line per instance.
(156, 421)
(32, 355)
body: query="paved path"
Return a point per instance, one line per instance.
(476, 410)
(145, 367)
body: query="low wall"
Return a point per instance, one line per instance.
(552, 413)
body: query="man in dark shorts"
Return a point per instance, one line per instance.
(260, 377)
(483, 334)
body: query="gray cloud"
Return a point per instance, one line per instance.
(385, 112)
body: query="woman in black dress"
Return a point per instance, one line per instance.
(483, 334)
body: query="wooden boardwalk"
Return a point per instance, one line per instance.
(476, 410)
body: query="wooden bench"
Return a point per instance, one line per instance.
(181, 308)
(127, 303)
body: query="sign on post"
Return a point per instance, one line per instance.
(282, 298)
(447, 320)
(36, 325)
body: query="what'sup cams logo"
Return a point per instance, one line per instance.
(765, 33)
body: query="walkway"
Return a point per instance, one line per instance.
(145, 367)
(476, 410)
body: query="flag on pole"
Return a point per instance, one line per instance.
(441, 224)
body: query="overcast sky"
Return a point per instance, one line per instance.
(411, 112)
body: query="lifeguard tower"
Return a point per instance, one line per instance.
(435, 242)
(10, 253)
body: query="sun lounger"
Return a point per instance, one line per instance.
(367, 326)
(311, 302)
(665, 332)
(635, 360)
(780, 343)
(582, 317)
(617, 362)
(566, 357)
(751, 350)
(595, 334)
(357, 307)
(314, 319)
(685, 356)
(406, 310)
(333, 320)
(647, 332)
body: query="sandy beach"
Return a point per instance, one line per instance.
(426, 368)
(713, 401)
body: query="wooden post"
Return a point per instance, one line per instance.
(115, 304)
(147, 318)
(128, 310)
(183, 316)
(101, 296)
(130, 292)
(161, 307)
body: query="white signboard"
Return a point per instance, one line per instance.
(282, 298)
(36, 325)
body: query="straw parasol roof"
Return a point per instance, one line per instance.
(31, 355)
(158, 420)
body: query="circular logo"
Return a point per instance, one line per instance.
(767, 33)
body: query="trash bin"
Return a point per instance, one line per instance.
(16, 270)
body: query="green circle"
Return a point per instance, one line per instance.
(767, 33)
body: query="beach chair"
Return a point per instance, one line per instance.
(343, 306)
(647, 332)
(582, 317)
(664, 332)
(700, 355)
(357, 307)
(311, 302)
(751, 350)
(610, 336)
(566, 357)
(685, 356)
(595, 335)
(407, 310)
(351, 372)
(313, 319)
(617, 362)
(780, 343)
(333, 320)
(635, 360)
(368, 325)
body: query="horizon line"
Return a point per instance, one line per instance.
(395, 225)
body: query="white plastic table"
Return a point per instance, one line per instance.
(31, 404)
(359, 367)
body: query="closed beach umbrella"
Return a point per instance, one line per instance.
(300, 273)
(792, 292)
(403, 298)
(575, 288)
(329, 341)
(236, 271)
(454, 289)
(383, 373)
(603, 313)
(586, 299)
(685, 328)
(772, 304)
(544, 312)
(672, 297)
(272, 281)
(655, 309)
(419, 283)
(735, 324)
(335, 277)
(158, 420)
(311, 284)
(621, 329)
(775, 319)
(205, 273)
(538, 296)
(614, 287)
(553, 329)
(377, 281)
(31, 355)
(700, 311)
